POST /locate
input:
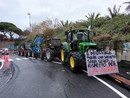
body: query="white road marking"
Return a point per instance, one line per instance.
(10, 59)
(32, 58)
(1, 65)
(18, 59)
(25, 58)
(57, 62)
(109, 86)
(1, 60)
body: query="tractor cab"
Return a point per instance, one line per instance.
(74, 37)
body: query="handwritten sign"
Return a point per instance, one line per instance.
(101, 62)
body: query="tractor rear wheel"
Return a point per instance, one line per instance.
(49, 55)
(35, 55)
(42, 56)
(26, 54)
(30, 53)
(19, 53)
(22, 53)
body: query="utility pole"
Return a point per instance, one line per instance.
(30, 21)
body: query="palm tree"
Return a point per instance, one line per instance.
(92, 15)
(128, 7)
(115, 11)
(66, 23)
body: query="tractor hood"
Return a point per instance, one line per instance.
(84, 45)
(87, 44)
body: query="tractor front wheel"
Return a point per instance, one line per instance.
(63, 56)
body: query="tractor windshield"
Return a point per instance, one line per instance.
(81, 36)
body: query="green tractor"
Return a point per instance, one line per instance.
(73, 50)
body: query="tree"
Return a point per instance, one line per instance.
(92, 15)
(26, 32)
(128, 7)
(66, 23)
(9, 28)
(114, 12)
(13, 30)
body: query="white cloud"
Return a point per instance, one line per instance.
(15, 11)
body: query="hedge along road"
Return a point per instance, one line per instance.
(42, 79)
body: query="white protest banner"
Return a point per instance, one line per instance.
(101, 62)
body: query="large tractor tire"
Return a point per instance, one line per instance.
(26, 54)
(35, 55)
(63, 56)
(42, 56)
(22, 53)
(30, 53)
(49, 55)
(19, 53)
(75, 62)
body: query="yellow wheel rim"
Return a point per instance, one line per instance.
(62, 55)
(72, 62)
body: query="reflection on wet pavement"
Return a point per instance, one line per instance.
(6, 71)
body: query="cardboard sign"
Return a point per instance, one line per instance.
(101, 62)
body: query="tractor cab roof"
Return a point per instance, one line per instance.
(52, 39)
(76, 30)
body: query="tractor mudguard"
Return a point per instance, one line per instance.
(65, 49)
(66, 46)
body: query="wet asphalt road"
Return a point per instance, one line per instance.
(41, 79)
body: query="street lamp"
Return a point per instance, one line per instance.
(30, 21)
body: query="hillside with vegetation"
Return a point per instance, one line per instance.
(115, 26)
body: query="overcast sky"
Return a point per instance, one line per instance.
(15, 11)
